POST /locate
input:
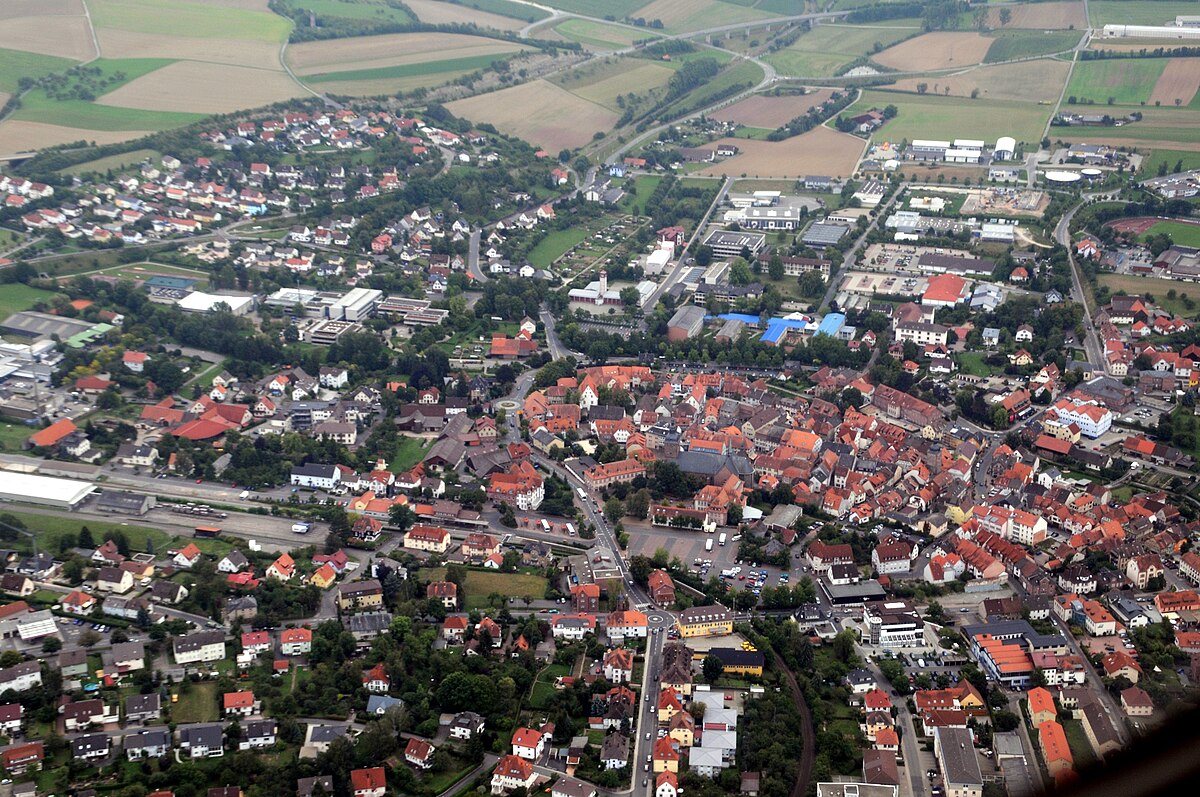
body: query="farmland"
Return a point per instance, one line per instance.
(20, 136)
(936, 51)
(1137, 12)
(612, 8)
(1031, 81)
(679, 16)
(770, 112)
(827, 48)
(819, 151)
(357, 9)
(189, 18)
(55, 27)
(1177, 83)
(441, 13)
(539, 112)
(390, 50)
(604, 83)
(926, 116)
(1010, 45)
(1127, 81)
(213, 88)
(597, 35)
(1043, 16)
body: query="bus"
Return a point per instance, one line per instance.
(721, 539)
(582, 494)
(708, 545)
(545, 526)
(208, 531)
(570, 529)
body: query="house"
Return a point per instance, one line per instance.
(295, 641)
(380, 704)
(371, 782)
(238, 704)
(614, 753)
(147, 743)
(570, 787)
(666, 785)
(10, 719)
(465, 725)
(618, 665)
(143, 708)
(528, 743)
(112, 579)
(360, 595)
(427, 538)
(1041, 706)
(419, 753)
(665, 755)
(662, 588)
(21, 758)
(376, 679)
(511, 772)
(91, 747)
(199, 647)
(128, 656)
(78, 602)
(16, 584)
(446, 592)
(282, 568)
(258, 734)
(1136, 702)
(187, 557)
(305, 787)
(233, 562)
(705, 621)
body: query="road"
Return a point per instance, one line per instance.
(852, 253)
(557, 350)
(681, 264)
(1091, 341)
(473, 257)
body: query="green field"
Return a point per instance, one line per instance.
(505, 8)
(196, 20)
(114, 162)
(1187, 160)
(1128, 81)
(13, 436)
(17, 297)
(744, 72)
(466, 64)
(1010, 45)
(1152, 286)
(1181, 233)
(555, 244)
(926, 116)
(599, 35)
(610, 8)
(827, 48)
(16, 64)
(1136, 12)
(197, 704)
(972, 364)
(410, 451)
(356, 9)
(49, 529)
(40, 106)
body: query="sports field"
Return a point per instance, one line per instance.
(1010, 45)
(819, 151)
(927, 116)
(539, 112)
(1127, 81)
(436, 12)
(826, 48)
(1031, 81)
(1181, 232)
(940, 50)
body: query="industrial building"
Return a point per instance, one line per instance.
(730, 244)
(28, 488)
(357, 305)
(821, 234)
(200, 302)
(686, 323)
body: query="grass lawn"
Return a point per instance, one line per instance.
(16, 64)
(205, 378)
(1181, 233)
(13, 436)
(1127, 81)
(645, 184)
(554, 245)
(439, 782)
(1081, 750)
(479, 585)
(17, 297)
(1140, 286)
(410, 451)
(926, 116)
(971, 362)
(51, 528)
(824, 50)
(115, 162)
(198, 704)
(1171, 157)
(1025, 44)
(450, 65)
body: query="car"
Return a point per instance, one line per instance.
(964, 610)
(201, 481)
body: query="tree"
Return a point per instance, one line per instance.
(712, 668)
(704, 255)
(630, 296)
(51, 644)
(1006, 721)
(1005, 16)
(922, 88)
(775, 267)
(637, 504)
(614, 509)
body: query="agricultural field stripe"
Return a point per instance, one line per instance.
(465, 64)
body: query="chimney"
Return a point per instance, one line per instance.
(603, 282)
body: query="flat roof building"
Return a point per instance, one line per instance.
(30, 489)
(725, 243)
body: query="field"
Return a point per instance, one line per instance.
(770, 112)
(1131, 12)
(612, 8)
(55, 27)
(1141, 286)
(15, 64)
(1032, 81)
(356, 9)
(1011, 45)
(679, 16)
(439, 13)
(936, 51)
(1128, 81)
(115, 162)
(1177, 83)
(410, 451)
(1181, 232)
(17, 136)
(197, 704)
(1043, 16)
(744, 72)
(539, 112)
(478, 585)
(597, 35)
(17, 297)
(393, 49)
(1186, 160)
(604, 82)
(555, 244)
(190, 18)
(827, 48)
(13, 436)
(49, 529)
(819, 151)
(953, 117)
(209, 89)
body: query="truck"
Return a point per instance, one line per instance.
(728, 573)
(301, 528)
(721, 539)
(708, 545)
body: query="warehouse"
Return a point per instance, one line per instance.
(44, 325)
(122, 502)
(686, 323)
(357, 305)
(200, 302)
(30, 489)
(821, 235)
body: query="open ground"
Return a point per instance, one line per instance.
(936, 51)
(770, 112)
(1043, 16)
(539, 112)
(819, 151)
(1178, 82)
(927, 116)
(827, 48)
(1032, 81)
(194, 87)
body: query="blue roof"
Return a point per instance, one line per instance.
(830, 324)
(161, 281)
(777, 327)
(745, 318)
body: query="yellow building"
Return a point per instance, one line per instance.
(682, 728)
(360, 595)
(737, 661)
(427, 538)
(324, 577)
(705, 621)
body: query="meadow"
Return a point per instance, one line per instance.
(17, 297)
(1171, 157)
(16, 64)
(826, 48)
(1126, 81)
(1136, 12)
(1009, 45)
(927, 116)
(1142, 286)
